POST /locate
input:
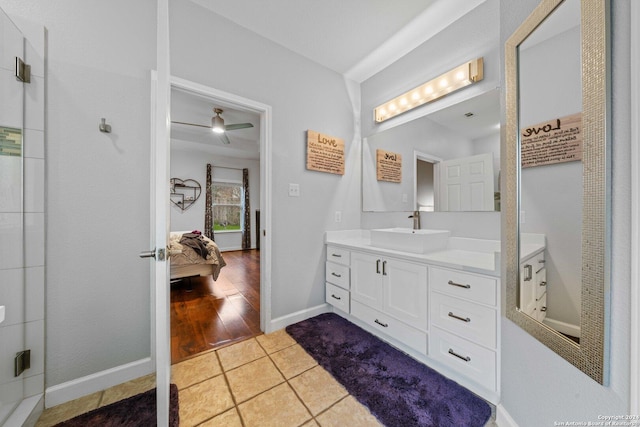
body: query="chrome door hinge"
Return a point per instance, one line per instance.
(22, 362)
(23, 71)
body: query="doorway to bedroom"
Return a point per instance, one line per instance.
(216, 198)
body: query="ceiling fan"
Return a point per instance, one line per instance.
(218, 126)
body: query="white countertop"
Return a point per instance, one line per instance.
(473, 255)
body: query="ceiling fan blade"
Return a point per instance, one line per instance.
(224, 138)
(238, 126)
(193, 124)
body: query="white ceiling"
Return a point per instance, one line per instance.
(357, 38)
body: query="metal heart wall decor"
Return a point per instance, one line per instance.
(184, 193)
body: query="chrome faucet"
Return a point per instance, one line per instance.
(416, 220)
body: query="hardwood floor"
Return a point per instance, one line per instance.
(206, 315)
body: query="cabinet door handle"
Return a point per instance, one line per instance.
(460, 285)
(528, 272)
(377, 266)
(333, 296)
(464, 319)
(465, 358)
(384, 268)
(384, 325)
(335, 274)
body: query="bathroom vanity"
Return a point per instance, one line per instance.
(435, 297)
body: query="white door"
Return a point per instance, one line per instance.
(466, 184)
(160, 149)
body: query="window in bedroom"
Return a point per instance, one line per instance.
(228, 208)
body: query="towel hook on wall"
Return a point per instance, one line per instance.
(104, 127)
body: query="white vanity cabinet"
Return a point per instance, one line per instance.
(438, 307)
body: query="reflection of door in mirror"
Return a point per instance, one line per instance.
(550, 92)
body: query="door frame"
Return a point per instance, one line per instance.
(264, 112)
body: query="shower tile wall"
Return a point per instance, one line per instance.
(22, 216)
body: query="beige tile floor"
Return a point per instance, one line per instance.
(265, 381)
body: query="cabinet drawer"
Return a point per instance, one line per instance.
(338, 255)
(390, 326)
(337, 274)
(464, 285)
(337, 297)
(467, 319)
(541, 282)
(475, 362)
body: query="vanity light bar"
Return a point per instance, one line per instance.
(461, 76)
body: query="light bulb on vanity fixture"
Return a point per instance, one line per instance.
(457, 78)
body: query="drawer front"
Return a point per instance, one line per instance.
(467, 319)
(541, 282)
(475, 362)
(337, 274)
(390, 326)
(464, 285)
(338, 255)
(337, 297)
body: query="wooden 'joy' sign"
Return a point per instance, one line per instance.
(388, 166)
(554, 141)
(325, 153)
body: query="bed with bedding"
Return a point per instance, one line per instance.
(198, 255)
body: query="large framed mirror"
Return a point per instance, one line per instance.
(448, 160)
(556, 188)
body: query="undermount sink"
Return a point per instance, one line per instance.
(409, 240)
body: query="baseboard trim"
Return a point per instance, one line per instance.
(503, 419)
(298, 316)
(74, 389)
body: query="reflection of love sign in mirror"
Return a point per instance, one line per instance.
(184, 193)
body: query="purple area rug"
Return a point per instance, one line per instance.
(135, 411)
(397, 389)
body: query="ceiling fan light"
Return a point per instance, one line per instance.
(217, 124)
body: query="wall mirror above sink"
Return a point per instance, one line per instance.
(448, 160)
(556, 187)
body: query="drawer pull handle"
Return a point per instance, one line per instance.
(543, 309)
(464, 319)
(337, 255)
(465, 358)
(384, 325)
(543, 283)
(337, 275)
(333, 296)
(452, 283)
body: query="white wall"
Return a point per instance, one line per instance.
(303, 95)
(474, 35)
(97, 185)
(539, 387)
(189, 163)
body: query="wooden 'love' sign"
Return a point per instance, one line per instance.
(325, 153)
(388, 166)
(555, 141)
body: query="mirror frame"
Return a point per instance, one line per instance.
(592, 354)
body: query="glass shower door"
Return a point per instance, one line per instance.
(12, 254)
